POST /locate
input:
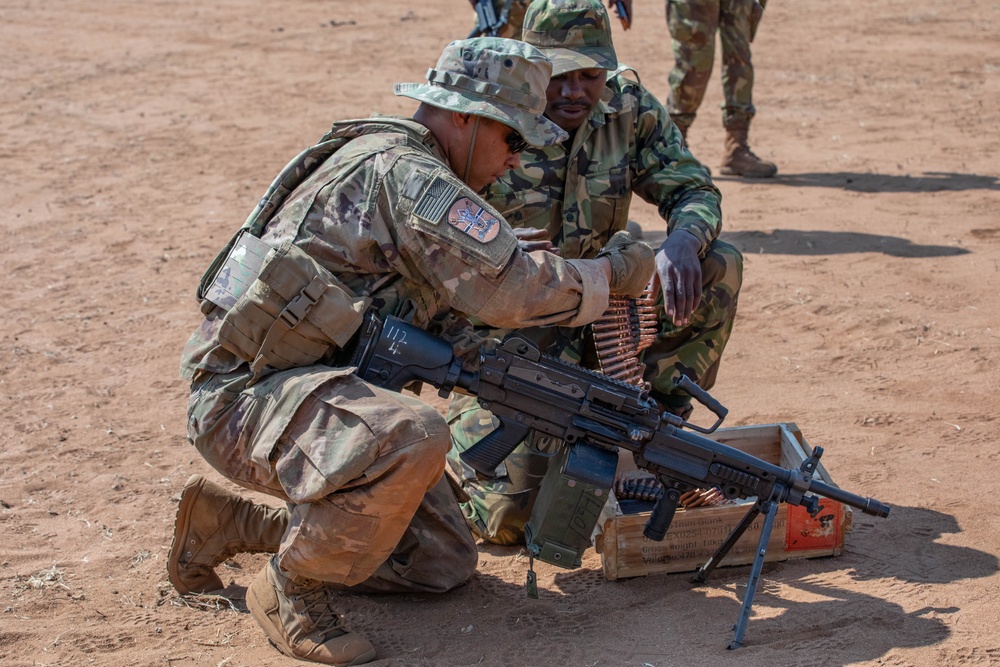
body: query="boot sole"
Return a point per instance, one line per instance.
(192, 489)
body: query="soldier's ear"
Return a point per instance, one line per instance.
(461, 120)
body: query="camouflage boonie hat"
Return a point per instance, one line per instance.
(574, 34)
(502, 79)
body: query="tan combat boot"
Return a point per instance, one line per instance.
(739, 159)
(213, 524)
(298, 617)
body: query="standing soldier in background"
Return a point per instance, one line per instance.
(693, 25)
(574, 196)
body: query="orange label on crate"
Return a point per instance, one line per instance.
(814, 532)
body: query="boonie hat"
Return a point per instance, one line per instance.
(502, 79)
(574, 34)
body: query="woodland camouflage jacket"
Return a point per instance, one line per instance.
(580, 190)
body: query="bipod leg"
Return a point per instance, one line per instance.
(770, 511)
(734, 537)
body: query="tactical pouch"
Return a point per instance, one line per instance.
(294, 314)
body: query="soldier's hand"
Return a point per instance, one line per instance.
(632, 264)
(679, 272)
(529, 239)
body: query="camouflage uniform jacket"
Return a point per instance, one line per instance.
(581, 190)
(385, 205)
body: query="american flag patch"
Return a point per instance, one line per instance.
(436, 200)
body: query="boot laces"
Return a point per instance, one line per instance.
(318, 606)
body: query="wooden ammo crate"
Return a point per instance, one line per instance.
(695, 534)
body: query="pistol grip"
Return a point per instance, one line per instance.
(486, 455)
(662, 516)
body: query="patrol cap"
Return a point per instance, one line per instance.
(502, 79)
(574, 34)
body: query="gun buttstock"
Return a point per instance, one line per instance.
(486, 455)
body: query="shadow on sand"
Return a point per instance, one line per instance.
(932, 181)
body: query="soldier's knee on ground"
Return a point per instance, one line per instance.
(462, 559)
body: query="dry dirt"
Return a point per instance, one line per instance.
(137, 135)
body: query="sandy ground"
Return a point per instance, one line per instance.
(137, 135)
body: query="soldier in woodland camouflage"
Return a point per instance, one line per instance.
(573, 196)
(693, 25)
(385, 212)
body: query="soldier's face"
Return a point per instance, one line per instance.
(492, 154)
(571, 97)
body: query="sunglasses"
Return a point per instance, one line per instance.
(515, 142)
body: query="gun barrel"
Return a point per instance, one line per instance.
(700, 461)
(866, 505)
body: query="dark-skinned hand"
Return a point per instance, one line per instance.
(678, 271)
(529, 239)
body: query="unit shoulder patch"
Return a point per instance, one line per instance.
(473, 220)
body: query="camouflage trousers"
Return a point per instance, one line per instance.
(693, 25)
(499, 507)
(359, 467)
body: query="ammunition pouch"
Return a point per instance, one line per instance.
(294, 314)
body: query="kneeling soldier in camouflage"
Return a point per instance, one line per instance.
(382, 215)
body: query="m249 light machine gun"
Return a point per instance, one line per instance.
(594, 416)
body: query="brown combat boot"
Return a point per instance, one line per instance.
(739, 159)
(213, 524)
(298, 617)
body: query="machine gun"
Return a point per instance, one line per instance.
(595, 416)
(488, 24)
